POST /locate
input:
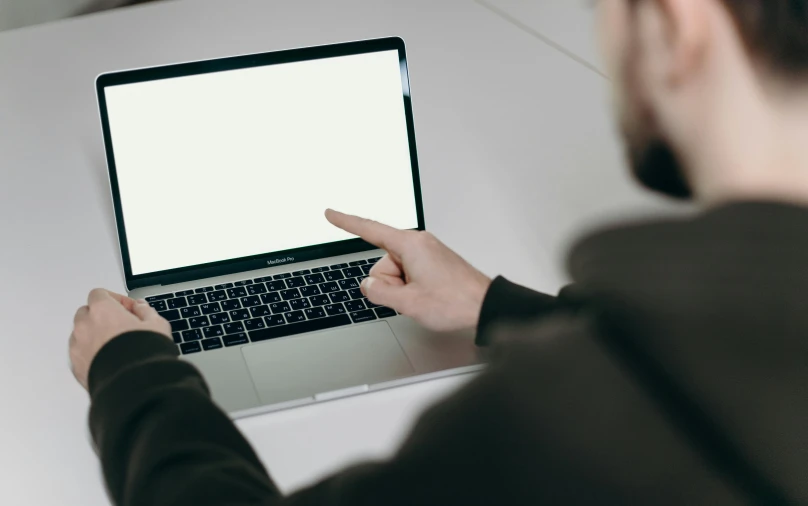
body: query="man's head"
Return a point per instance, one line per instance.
(698, 81)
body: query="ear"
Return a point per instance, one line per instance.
(675, 36)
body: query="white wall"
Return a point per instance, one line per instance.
(19, 13)
(568, 23)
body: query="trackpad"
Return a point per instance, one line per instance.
(302, 366)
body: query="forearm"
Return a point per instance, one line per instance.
(160, 438)
(514, 435)
(162, 441)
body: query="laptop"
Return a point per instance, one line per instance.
(220, 173)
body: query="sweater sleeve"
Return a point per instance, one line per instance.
(531, 429)
(508, 303)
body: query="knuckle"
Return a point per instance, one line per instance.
(423, 238)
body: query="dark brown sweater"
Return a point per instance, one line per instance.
(674, 371)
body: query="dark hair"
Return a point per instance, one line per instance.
(775, 32)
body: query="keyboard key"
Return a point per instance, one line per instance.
(358, 262)
(217, 318)
(260, 311)
(257, 289)
(297, 304)
(233, 328)
(339, 296)
(314, 279)
(177, 303)
(253, 300)
(224, 286)
(204, 290)
(295, 282)
(177, 337)
(255, 324)
(301, 273)
(271, 297)
(355, 305)
(308, 291)
(282, 276)
(295, 316)
(275, 286)
(158, 305)
(280, 307)
(355, 293)
(366, 269)
(352, 272)
(319, 300)
(360, 279)
(217, 296)
(160, 297)
(261, 280)
(236, 339)
(363, 316)
(274, 320)
(214, 331)
(314, 312)
(374, 260)
(178, 325)
(292, 293)
(334, 309)
(188, 348)
(190, 312)
(329, 287)
(243, 283)
(212, 344)
(319, 269)
(191, 335)
(334, 275)
(346, 284)
(195, 300)
(171, 315)
(229, 305)
(235, 293)
(339, 266)
(369, 304)
(384, 312)
(184, 293)
(198, 322)
(239, 314)
(299, 328)
(211, 308)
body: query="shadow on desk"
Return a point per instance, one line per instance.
(103, 5)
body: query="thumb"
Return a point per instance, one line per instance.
(144, 311)
(381, 292)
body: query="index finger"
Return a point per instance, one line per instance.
(378, 234)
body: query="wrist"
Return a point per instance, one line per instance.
(478, 291)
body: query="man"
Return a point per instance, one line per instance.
(674, 370)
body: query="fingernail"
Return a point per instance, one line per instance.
(365, 285)
(141, 301)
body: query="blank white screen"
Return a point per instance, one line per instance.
(232, 164)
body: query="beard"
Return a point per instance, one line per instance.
(654, 162)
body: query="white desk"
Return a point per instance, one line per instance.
(516, 151)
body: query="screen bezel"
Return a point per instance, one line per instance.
(263, 260)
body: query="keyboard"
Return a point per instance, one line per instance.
(255, 310)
